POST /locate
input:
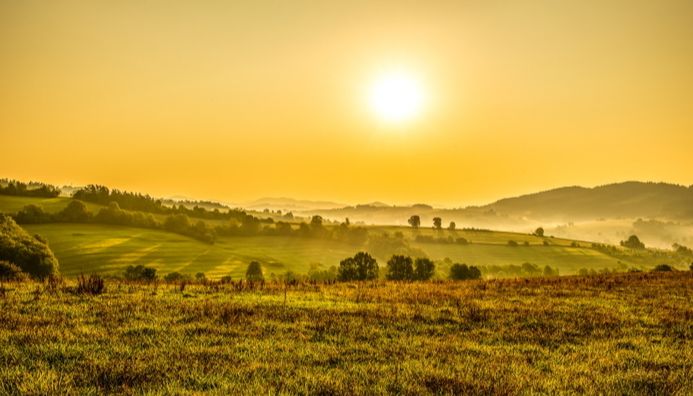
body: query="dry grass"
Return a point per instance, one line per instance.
(611, 334)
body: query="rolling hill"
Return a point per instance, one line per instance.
(85, 248)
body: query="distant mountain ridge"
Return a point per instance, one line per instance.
(290, 204)
(627, 199)
(630, 199)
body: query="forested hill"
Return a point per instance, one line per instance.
(629, 199)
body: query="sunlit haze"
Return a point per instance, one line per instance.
(448, 103)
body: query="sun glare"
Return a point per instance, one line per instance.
(396, 97)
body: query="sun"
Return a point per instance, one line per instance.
(396, 97)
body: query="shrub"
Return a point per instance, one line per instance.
(663, 268)
(10, 272)
(226, 279)
(400, 268)
(140, 273)
(254, 272)
(176, 277)
(94, 285)
(31, 255)
(512, 243)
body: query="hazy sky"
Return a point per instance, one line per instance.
(236, 100)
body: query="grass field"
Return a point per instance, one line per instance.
(87, 248)
(13, 204)
(607, 334)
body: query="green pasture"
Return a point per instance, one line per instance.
(87, 248)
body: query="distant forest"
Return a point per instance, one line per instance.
(31, 189)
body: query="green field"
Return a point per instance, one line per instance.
(87, 248)
(12, 204)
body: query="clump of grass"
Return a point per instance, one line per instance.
(93, 285)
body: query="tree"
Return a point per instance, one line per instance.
(254, 272)
(400, 268)
(316, 221)
(140, 273)
(463, 272)
(32, 214)
(360, 267)
(414, 221)
(347, 270)
(424, 269)
(75, 212)
(452, 226)
(691, 267)
(437, 223)
(548, 271)
(200, 276)
(539, 232)
(633, 242)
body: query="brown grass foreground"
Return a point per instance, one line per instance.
(612, 334)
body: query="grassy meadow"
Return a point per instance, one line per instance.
(604, 334)
(108, 249)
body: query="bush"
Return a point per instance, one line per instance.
(254, 272)
(140, 273)
(663, 268)
(360, 267)
(10, 272)
(226, 279)
(400, 268)
(31, 255)
(94, 285)
(177, 277)
(512, 243)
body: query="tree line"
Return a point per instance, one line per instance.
(102, 195)
(362, 266)
(77, 212)
(31, 189)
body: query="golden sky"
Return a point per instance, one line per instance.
(234, 100)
